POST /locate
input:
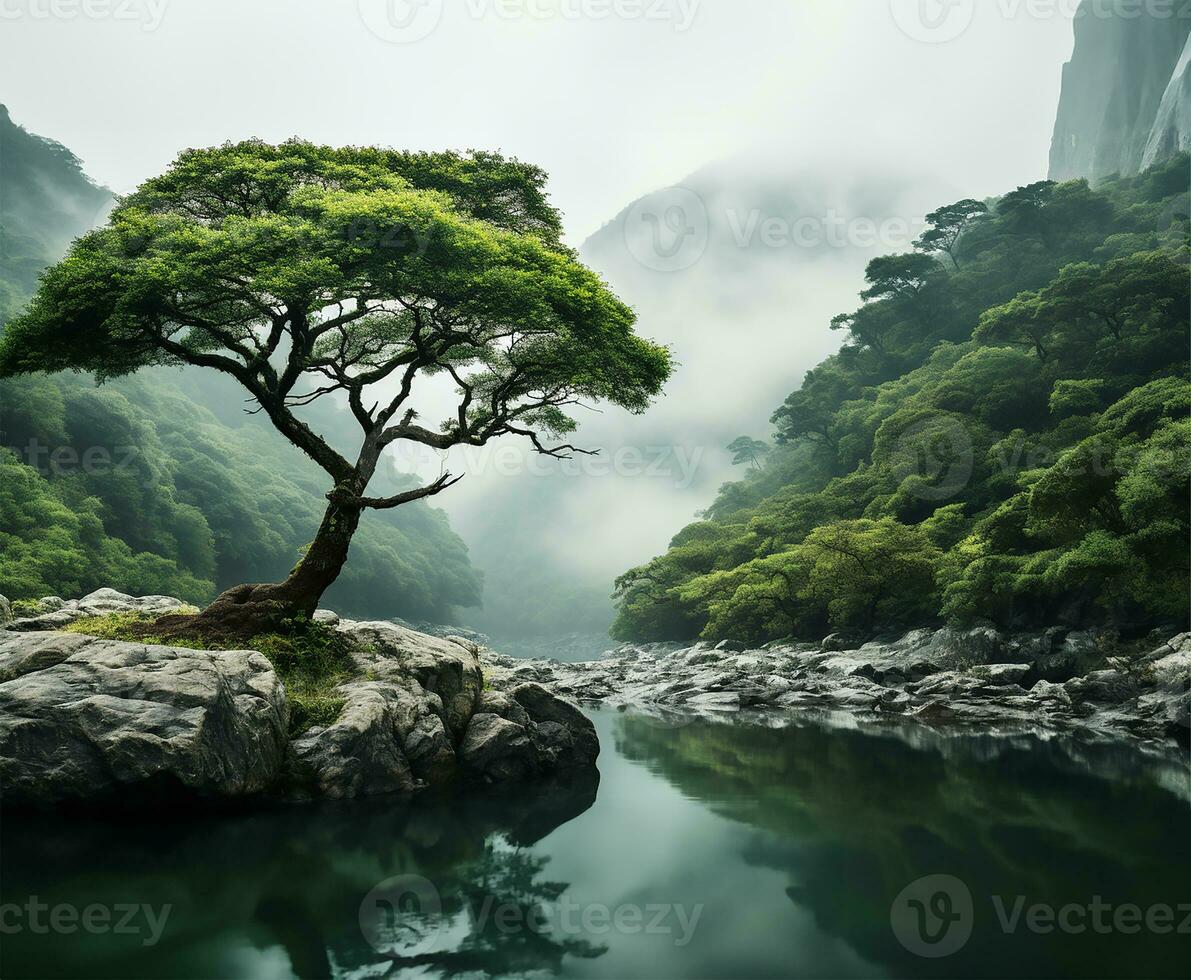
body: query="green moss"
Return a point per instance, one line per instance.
(22, 608)
(311, 660)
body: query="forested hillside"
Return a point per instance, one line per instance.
(161, 483)
(1002, 436)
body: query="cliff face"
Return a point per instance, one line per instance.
(1126, 99)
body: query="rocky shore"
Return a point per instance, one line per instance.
(84, 718)
(88, 719)
(1047, 681)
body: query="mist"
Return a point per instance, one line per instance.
(790, 142)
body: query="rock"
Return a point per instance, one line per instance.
(572, 738)
(1103, 687)
(525, 733)
(498, 749)
(51, 604)
(325, 617)
(838, 641)
(731, 646)
(83, 719)
(1001, 674)
(1072, 654)
(391, 652)
(5, 612)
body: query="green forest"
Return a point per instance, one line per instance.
(161, 483)
(1003, 437)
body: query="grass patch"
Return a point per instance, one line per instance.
(311, 659)
(25, 608)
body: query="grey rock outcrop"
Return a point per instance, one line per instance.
(86, 719)
(83, 719)
(5, 612)
(1054, 680)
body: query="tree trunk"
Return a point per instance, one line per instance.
(249, 610)
(323, 561)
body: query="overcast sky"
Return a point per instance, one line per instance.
(614, 97)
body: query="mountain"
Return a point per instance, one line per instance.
(738, 269)
(160, 482)
(1126, 96)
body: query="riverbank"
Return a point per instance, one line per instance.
(1052, 680)
(91, 713)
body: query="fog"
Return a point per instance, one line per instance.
(729, 166)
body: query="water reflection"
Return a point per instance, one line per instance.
(852, 816)
(711, 849)
(279, 893)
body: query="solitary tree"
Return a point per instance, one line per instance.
(947, 226)
(746, 449)
(306, 272)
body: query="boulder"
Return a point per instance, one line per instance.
(363, 752)
(5, 612)
(394, 653)
(528, 731)
(1003, 674)
(83, 719)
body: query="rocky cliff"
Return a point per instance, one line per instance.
(1125, 99)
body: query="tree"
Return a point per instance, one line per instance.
(745, 449)
(898, 276)
(306, 273)
(947, 226)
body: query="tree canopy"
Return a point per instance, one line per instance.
(1002, 436)
(306, 272)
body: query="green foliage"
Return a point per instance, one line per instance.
(313, 276)
(161, 483)
(1004, 435)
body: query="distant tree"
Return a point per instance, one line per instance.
(898, 276)
(748, 450)
(947, 226)
(1026, 320)
(305, 272)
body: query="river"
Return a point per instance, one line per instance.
(795, 847)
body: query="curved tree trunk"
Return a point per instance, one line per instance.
(247, 610)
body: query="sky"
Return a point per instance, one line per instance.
(613, 97)
(750, 111)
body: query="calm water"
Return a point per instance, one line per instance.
(705, 850)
